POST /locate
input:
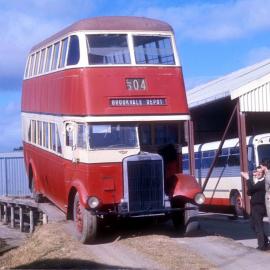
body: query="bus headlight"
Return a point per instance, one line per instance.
(199, 198)
(93, 202)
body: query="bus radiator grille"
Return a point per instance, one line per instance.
(145, 185)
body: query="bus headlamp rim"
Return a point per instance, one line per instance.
(199, 198)
(93, 202)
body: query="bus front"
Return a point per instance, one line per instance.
(134, 126)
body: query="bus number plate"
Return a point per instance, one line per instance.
(135, 84)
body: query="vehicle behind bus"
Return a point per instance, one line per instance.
(224, 189)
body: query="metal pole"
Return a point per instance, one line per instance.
(21, 218)
(31, 220)
(6, 178)
(12, 221)
(5, 215)
(189, 137)
(241, 124)
(219, 149)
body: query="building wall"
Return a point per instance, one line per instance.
(13, 178)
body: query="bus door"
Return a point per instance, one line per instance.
(164, 139)
(76, 147)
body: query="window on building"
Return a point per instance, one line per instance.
(63, 54)
(73, 51)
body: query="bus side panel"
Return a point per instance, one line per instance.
(49, 173)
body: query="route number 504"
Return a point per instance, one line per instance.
(136, 84)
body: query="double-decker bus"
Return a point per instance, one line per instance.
(223, 191)
(103, 110)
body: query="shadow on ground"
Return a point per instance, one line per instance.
(209, 224)
(67, 264)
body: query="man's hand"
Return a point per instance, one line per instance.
(245, 175)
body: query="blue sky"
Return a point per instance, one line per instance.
(214, 37)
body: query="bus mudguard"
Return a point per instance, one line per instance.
(83, 194)
(184, 185)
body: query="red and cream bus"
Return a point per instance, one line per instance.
(103, 110)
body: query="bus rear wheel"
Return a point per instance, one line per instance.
(85, 222)
(237, 203)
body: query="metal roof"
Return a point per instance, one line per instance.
(224, 86)
(13, 154)
(254, 96)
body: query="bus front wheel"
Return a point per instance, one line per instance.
(85, 222)
(35, 195)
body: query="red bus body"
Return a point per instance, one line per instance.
(63, 108)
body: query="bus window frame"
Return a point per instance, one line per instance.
(55, 58)
(61, 52)
(130, 44)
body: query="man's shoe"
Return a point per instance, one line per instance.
(264, 248)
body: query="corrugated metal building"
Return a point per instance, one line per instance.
(242, 99)
(249, 77)
(13, 178)
(211, 104)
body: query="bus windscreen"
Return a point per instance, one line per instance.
(112, 136)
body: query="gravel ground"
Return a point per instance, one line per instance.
(52, 246)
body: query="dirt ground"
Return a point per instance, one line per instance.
(53, 246)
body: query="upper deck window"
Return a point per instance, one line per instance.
(63, 53)
(73, 51)
(42, 58)
(36, 63)
(55, 55)
(48, 59)
(153, 50)
(108, 49)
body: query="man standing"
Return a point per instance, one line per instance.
(258, 211)
(266, 167)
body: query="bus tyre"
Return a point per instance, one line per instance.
(178, 219)
(236, 202)
(85, 222)
(35, 195)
